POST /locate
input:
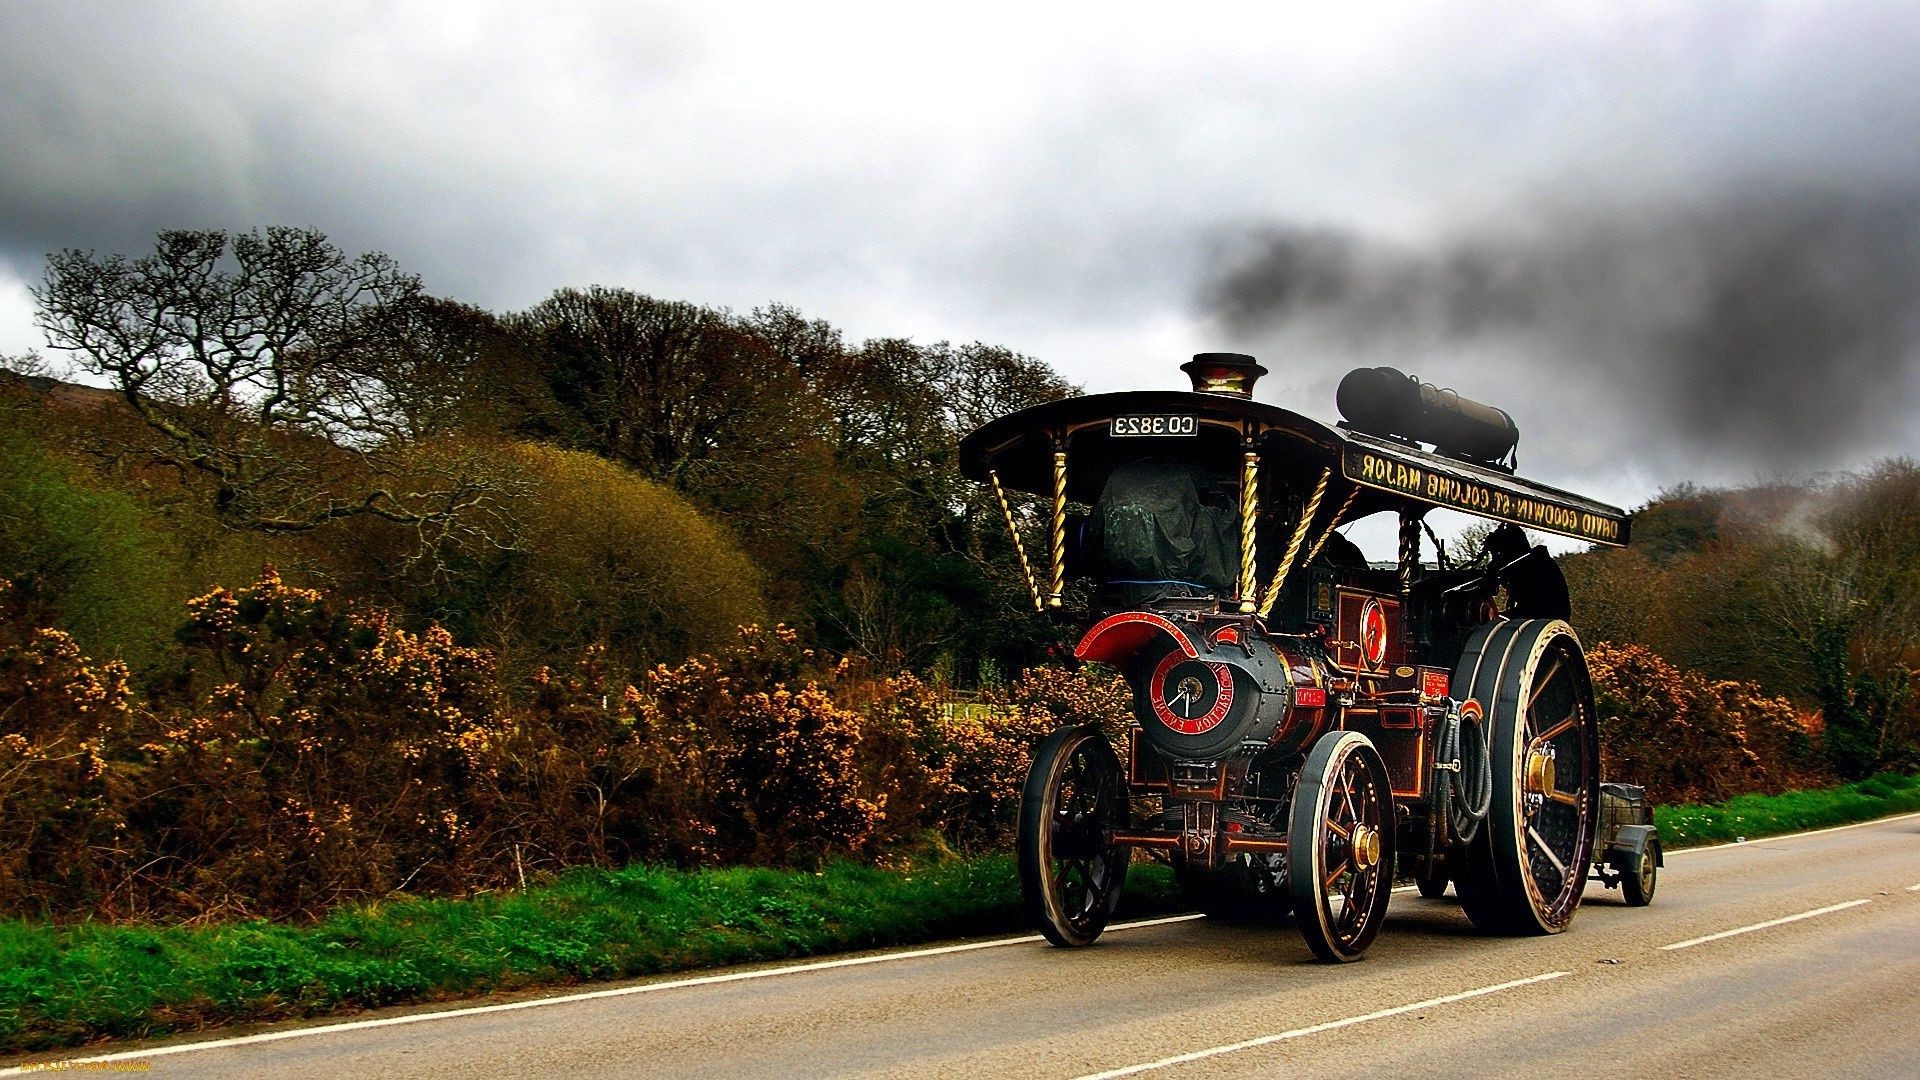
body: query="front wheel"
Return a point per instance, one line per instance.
(1340, 846)
(1070, 873)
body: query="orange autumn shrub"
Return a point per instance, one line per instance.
(317, 755)
(1693, 739)
(306, 754)
(756, 756)
(62, 838)
(1056, 696)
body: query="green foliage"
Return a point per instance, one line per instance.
(87, 559)
(62, 986)
(1751, 816)
(611, 559)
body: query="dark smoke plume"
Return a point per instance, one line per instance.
(1774, 328)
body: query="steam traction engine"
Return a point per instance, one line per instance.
(1304, 722)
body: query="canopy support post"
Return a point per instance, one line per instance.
(1409, 549)
(1019, 547)
(1249, 510)
(1293, 546)
(1332, 524)
(1057, 526)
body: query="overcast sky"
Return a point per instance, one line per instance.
(1675, 241)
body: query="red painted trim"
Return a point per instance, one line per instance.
(1373, 634)
(1199, 725)
(1118, 637)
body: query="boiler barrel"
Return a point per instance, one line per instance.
(1384, 401)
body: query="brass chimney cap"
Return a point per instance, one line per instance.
(1228, 373)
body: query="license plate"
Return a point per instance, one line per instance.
(1165, 424)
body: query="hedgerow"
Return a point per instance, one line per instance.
(310, 754)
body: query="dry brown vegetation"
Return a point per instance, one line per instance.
(312, 754)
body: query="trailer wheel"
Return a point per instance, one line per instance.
(1340, 846)
(1526, 871)
(1638, 887)
(1070, 873)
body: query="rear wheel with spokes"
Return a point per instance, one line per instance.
(1070, 873)
(1340, 846)
(1527, 869)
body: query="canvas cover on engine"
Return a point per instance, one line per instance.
(1161, 528)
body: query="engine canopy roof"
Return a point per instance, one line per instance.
(1099, 431)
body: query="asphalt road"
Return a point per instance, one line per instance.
(1828, 984)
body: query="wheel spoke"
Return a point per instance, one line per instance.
(1547, 850)
(1556, 730)
(1544, 681)
(1334, 826)
(1341, 868)
(1355, 895)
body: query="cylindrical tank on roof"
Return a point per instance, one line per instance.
(1385, 401)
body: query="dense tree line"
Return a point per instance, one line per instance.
(278, 396)
(1808, 590)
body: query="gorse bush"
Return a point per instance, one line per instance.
(1693, 739)
(311, 754)
(60, 830)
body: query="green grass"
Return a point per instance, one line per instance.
(62, 986)
(1749, 816)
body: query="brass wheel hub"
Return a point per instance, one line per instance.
(1540, 772)
(1366, 847)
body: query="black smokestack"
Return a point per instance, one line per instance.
(1771, 327)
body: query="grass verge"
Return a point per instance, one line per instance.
(1752, 816)
(63, 986)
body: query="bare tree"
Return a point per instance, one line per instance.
(274, 368)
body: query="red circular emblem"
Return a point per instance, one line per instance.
(1373, 634)
(1190, 696)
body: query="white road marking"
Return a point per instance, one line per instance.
(1790, 835)
(588, 995)
(1398, 1010)
(1828, 910)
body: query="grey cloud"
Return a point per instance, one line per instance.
(1764, 327)
(1095, 187)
